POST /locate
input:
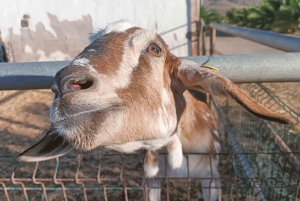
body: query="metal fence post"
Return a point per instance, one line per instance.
(213, 33)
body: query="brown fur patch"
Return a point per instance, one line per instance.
(192, 76)
(197, 127)
(151, 157)
(108, 51)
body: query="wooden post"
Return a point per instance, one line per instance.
(201, 30)
(194, 16)
(213, 33)
(203, 35)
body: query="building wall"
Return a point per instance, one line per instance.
(46, 30)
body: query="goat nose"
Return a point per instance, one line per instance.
(75, 80)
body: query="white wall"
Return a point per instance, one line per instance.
(59, 29)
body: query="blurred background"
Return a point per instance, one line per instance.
(58, 30)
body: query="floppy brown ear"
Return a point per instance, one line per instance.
(193, 76)
(50, 146)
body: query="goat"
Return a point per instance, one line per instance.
(126, 91)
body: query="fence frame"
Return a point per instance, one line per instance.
(275, 67)
(287, 43)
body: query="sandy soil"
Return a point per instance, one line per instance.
(24, 117)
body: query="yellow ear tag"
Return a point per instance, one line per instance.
(211, 67)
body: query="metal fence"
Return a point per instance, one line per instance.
(271, 150)
(259, 160)
(253, 165)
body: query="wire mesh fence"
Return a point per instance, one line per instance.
(271, 149)
(259, 160)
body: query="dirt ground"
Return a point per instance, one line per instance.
(24, 117)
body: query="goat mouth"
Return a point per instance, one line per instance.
(87, 112)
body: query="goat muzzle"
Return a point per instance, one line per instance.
(71, 79)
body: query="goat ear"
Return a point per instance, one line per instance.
(50, 146)
(193, 76)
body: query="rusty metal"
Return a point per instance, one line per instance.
(40, 183)
(77, 181)
(14, 181)
(59, 182)
(82, 182)
(5, 191)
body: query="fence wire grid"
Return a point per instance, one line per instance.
(259, 160)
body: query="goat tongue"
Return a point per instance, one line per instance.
(50, 146)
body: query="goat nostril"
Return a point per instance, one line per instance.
(76, 85)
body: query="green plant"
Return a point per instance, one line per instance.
(210, 15)
(288, 18)
(276, 15)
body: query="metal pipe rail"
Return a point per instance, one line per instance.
(29, 75)
(254, 68)
(275, 67)
(287, 43)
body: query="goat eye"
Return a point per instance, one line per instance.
(154, 50)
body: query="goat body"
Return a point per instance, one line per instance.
(126, 91)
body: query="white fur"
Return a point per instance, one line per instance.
(175, 156)
(197, 169)
(151, 170)
(119, 26)
(217, 146)
(216, 133)
(83, 62)
(130, 58)
(165, 96)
